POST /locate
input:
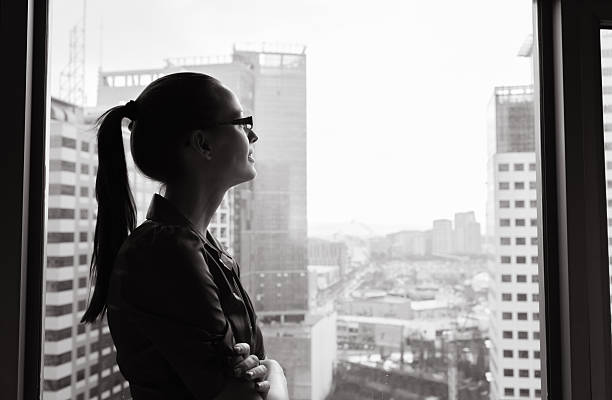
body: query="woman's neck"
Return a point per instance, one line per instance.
(196, 202)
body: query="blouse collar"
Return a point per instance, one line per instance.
(162, 210)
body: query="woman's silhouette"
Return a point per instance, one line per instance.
(183, 325)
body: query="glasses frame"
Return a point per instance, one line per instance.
(244, 121)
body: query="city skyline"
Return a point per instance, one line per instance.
(368, 55)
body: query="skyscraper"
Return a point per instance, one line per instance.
(274, 243)
(442, 237)
(512, 224)
(467, 239)
(79, 360)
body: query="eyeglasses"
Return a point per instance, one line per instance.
(246, 122)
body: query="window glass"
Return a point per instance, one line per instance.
(606, 64)
(389, 232)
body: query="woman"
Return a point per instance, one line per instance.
(183, 325)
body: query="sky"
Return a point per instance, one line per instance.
(397, 90)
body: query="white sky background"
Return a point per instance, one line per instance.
(397, 89)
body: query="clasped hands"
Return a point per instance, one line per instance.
(266, 376)
(250, 367)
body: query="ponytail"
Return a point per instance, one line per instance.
(116, 209)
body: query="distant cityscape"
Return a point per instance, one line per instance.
(448, 313)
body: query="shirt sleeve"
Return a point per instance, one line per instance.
(170, 293)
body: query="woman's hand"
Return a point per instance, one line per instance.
(248, 366)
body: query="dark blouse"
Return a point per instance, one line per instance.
(175, 308)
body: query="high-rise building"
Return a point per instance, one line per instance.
(274, 245)
(466, 234)
(328, 252)
(442, 237)
(79, 360)
(307, 353)
(512, 224)
(406, 244)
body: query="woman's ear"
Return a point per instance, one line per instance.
(200, 143)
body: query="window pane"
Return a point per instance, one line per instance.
(606, 77)
(378, 261)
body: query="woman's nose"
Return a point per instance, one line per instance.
(252, 137)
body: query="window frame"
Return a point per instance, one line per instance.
(575, 302)
(23, 34)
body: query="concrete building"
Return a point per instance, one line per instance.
(307, 352)
(328, 252)
(466, 234)
(407, 244)
(442, 237)
(79, 360)
(512, 223)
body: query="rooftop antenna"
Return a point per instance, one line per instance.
(72, 77)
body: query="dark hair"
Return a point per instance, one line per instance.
(163, 113)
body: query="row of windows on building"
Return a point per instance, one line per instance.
(520, 278)
(65, 261)
(70, 190)
(518, 241)
(517, 185)
(521, 373)
(522, 392)
(66, 237)
(518, 259)
(505, 167)
(53, 310)
(520, 297)
(62, 141)
(70, 166)
(55, 335)
(59, 359)
(505, 222)
(517, 203)
(523, 335)
(66, 213)
(520, 316)
(60, 286)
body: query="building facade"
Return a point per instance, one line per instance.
(442, 237)
(79, 360)
(512, 224)
(467, 238)
(307, 353)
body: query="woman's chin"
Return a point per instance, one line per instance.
(249, 175)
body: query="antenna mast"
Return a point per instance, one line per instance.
(72, 77)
